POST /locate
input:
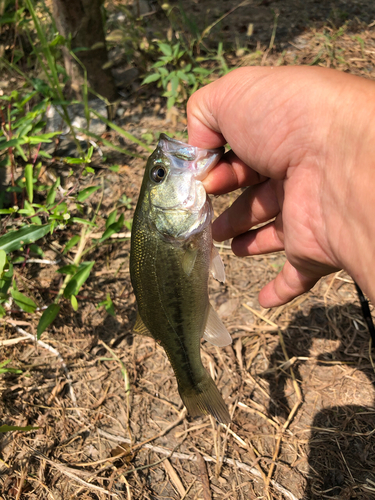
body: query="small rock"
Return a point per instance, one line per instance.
(76, 114)
(227, 308)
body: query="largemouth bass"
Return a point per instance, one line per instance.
(170, 260)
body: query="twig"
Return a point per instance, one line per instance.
(67, 471)
(125, 375)
(204, 477)
(95, 236)
(271, 323)
(188, 489)
(42, 261)
(257, 412)
(160, 434)
(207, 458)
(77, 258)
(291, 414)
(56, 353)
(174, 477)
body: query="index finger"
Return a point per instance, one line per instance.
(230, 174)
(221, 112)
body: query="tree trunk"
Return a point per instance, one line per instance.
(82, 20)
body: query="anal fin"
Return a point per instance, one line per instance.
(215, 332)
(140, 328)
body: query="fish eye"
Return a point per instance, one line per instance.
(158, 174)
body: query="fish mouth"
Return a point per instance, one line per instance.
(198, 161)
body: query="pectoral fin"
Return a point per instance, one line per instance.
(140, 328)
(215, 332)
(188, 260)
(217, 266)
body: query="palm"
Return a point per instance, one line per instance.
(297, 142)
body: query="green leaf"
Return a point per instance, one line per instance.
(8, 428)
(113, 228)
(69, 269)
(8, 370)
(89, 154)
(37, 139)
(174, 83)
(74, 302)
(82, 221)
(23, 302)
(44, 154)
(12, 143)
(29, 181)
(111, 218)
(166, 49)
(85, 193)
(121, 131)
(47, 318)
(151, 78)
(170, 102)
(29, 207)
(52, 192)
(128, 224)
(37, 250)
(78, 279)
(36, 220)
(3, 260)
(14, 240)
(158, 64)
(108, 304)
(58, 40)
(74, 161)
(18, 260)
(71, 243)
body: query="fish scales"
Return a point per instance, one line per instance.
(169, 271)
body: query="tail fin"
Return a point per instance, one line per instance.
(205, 399)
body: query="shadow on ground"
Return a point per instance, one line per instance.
(341, 447)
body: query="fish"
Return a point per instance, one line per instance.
(171, 256)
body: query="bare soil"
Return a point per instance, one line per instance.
(299, 379)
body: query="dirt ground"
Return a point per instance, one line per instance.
(299, 380)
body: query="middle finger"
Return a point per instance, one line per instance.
(254, 206)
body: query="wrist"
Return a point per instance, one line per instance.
(351, 184)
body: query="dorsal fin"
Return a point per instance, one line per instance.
(215, 332)
(217, 266)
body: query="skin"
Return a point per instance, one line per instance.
(303, 142)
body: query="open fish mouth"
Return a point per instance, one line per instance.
(185, 157)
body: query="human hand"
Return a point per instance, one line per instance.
(302, 138)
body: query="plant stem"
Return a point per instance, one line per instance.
(76, 262)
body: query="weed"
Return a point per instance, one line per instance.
(38, 209)
(329, 52)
